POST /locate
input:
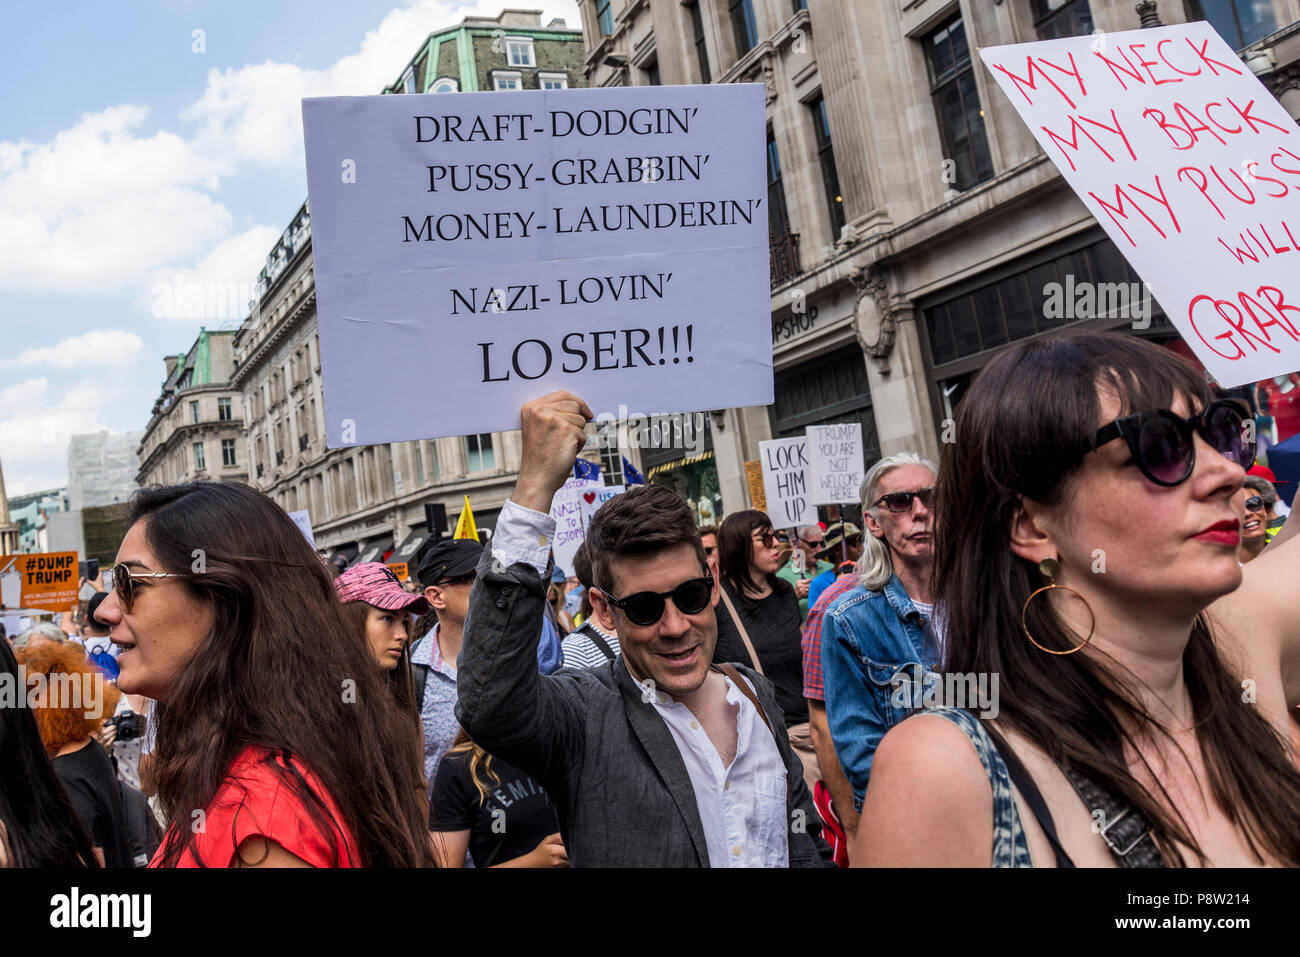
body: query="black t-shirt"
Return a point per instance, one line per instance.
(91, 784)
(512, 820)
(773, 627)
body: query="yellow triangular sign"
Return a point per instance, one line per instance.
(465, 527)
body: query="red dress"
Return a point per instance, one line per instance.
(255, 800)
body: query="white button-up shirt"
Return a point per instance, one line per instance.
(742, 807)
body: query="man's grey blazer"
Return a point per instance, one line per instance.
(607, 760)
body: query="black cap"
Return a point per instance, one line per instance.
(448, 558)
(96, 600)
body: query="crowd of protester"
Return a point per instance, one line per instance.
(1031, 653)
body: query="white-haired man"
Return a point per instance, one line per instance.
(877, 642)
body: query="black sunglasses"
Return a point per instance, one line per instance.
(902, 501)
(1162, 443)
(1255, 503)
(459, 580)
(647, 607)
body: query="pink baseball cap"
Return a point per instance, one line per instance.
(375, 584)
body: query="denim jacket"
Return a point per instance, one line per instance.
(876, 650)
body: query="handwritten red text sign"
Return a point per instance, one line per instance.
(1193, 169)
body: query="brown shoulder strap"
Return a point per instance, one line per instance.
(739, 681)
(744, 635)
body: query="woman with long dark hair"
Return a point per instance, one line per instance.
(1087, 557)
(379, 611)
(759, 624)
(277, 742)
(38, 824)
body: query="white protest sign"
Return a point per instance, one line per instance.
(1193, 169)
(302, 518)
(835, 464)
(785, 482)
(507, 244)
(566, 509)
(591, 500)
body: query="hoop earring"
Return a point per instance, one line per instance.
(1050, 567)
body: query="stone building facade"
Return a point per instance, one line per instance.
(196, 429)
(511, 51)
(369, 502)
(914, 221)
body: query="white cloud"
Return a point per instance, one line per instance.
(100, 203)
(102, 347)
(25, 393)
(255, 112)
(35, 429)
(217, 289)
(107, 203)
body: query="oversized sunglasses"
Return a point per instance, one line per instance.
(1163, 445)
(124, 583)
(902, 501)
(1255, 503)
(647, 607)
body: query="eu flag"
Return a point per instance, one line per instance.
(630, 475)
(582, 469)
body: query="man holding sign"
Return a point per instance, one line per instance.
(653, 759)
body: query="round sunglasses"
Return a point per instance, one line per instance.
(647, 607)
(1163, 444)
(1255, 503)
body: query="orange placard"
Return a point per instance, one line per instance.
(757, 495)
(400, 570)
(46, 580)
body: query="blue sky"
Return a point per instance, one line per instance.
(134, 151)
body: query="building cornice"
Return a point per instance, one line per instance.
(289, 323)
(183, 431)
(189, 391)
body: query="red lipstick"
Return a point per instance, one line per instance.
(1221, 533)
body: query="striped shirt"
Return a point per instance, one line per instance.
(581, 652)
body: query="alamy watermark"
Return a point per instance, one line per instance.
(1092, 300)
(652, 430)
(192, 299)
(922, 689)
(62, 690)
